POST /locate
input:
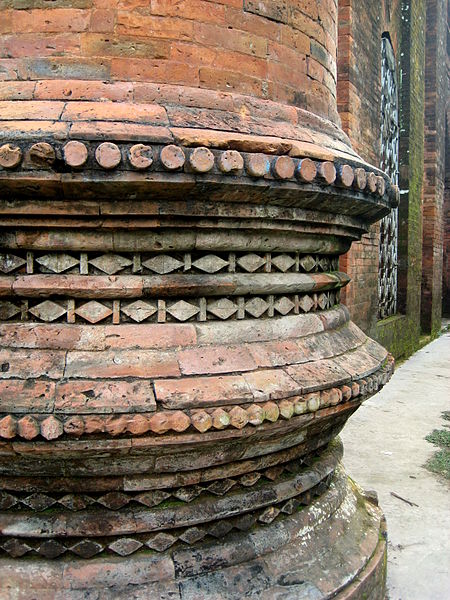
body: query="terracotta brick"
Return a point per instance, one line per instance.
(133, 23)
(101, 130)
(202, 391)
(142, 69)
(28, 428)
(29, 45)
(113, 111)
(190, 9)
(102, 20)
(97, 44)
(221, 359)
(15, 110)
(82, 90)
(121, 363)
(82, 397)
(50, 21)
(26, 364)
(17, 90)
(24, 396)
(271, 384)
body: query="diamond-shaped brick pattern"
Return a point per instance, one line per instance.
(48, 311)
(210, 263)
(10, 262)
(223, 308)
(220, 528)
(251, 262)
(221, 486)
(249, 479)
(139, 311)
(182, 310)
(290, 506)
(51, 549)
(163, 264)
(87, 548)
(283, 305)
(56, 263)
(8, 310)
(306, 303)
(110, 263)
(75, 502)
(152, 498)
(93, 311)
(256, 307)
(161, 541)
(283, 262)
(7, 500)
(322, 301)
(38, 501)
(308, 263)
(125, 546)
(188, 494)
(16, 547)
(192, 535)
(114, 500)
(325, 264)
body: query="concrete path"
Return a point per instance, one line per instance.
(385, 450)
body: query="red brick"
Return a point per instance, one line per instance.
(89, 396)
(114, 111)
(219, 359)
(121, 363)
(192, 392)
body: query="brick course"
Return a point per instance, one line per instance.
(201, 43)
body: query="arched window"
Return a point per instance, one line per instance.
(388, 266)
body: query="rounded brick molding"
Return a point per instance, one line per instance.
(283, 167)
(201, 160)
(10, 156)
(41, 154)
(306, 170)
(371, 182)
(360, 181)
(327, 172)
(108, 155)
(381, 185)
(141, 156)
(230, 161)
(258, 165)
(75, 154)
(172, 157)
(346, 175)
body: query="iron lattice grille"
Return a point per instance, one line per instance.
(387, 269)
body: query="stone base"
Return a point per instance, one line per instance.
(334, 548)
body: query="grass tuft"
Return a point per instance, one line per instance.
(440, 461)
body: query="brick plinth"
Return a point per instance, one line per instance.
(175, 359)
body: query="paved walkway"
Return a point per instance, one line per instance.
(385, 450)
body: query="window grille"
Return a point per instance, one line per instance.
(388, 266)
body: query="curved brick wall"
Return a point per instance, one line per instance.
(282, 51)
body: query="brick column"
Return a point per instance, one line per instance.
(175, 361)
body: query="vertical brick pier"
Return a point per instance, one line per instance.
(175, 362)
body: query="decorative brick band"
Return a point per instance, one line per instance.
(52, 427)
(162, 310)
(94, 263)
(77, 155)
(290, 487)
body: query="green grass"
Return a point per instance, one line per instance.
(440, 461)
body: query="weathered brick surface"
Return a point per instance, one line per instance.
(434, 165)
(246, 47)
(174, 227)
(359, 107)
